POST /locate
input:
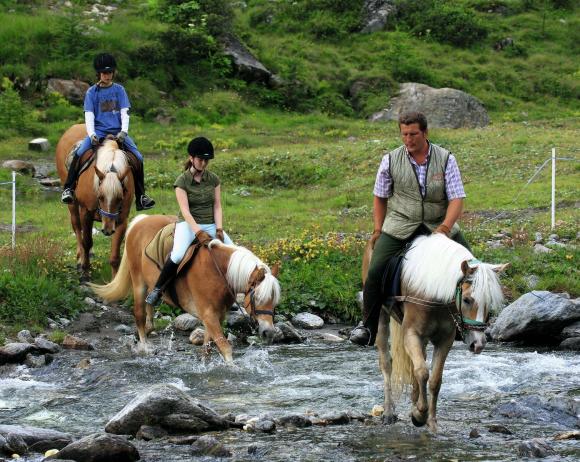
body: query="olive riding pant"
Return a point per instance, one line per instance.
(386, 247)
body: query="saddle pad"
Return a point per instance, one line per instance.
(160, 247)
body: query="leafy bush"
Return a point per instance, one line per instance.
(34, 284)
(15, 115)
(145, 98)
(59, 109)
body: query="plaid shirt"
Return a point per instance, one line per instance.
(453, 184)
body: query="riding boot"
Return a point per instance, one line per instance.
(365, 332)
(142, 201)
(69, 185)
(167, 274)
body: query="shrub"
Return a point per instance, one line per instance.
(59, 109)
(15, 115)
(145, 97)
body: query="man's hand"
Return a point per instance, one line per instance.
(219, 233)
(203, 238)
(121, 137)
(94, 140)
(374, 237)
(443, 229)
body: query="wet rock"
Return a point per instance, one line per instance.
(328, 337)
(37, 437)
(474, 433)
(572, 330)
(238, 322)
(296, 420)
(496, 428)
(308, 321)
(260, 425)
(46, 346)
(15, 352)
(341, 418)
(562, 411)
(447, 107)
(20, 166)
(24, 336)
(182, 440)
(75, 343)
(572, 344)
(572, 435)
(151, 432)
(100, 447)
(537, 316)
(288, 334)
(34, 361)
(197, 336)
(209, 446)
(167, 406)
(39, 144)
(186, 322)
(536, 447)
(123, 329)
(84, 363)
(15, 443)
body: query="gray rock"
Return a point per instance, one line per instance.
(288, 334)
(376, 14)
(294, 421)
(209, 446)
(20, 166)
(238, 321)
(244, 62)
(497, 428)
(186, 322)
(75, 343)
(444, 107)
(308, 321)
(531, 281)
(538, 238)
(572, 343)
(538, 448)
(39, 144)
(16, 444)
(73, 90)
(560, 411)
(197, 336)
(539, 248)
(100, 447)
(15, 352)
(34, 361)
(124, 329)
(571, 330)
(537, 316)
(24, 336)
(151, 432)
(33, 436)
(168, 406)
(46, 346)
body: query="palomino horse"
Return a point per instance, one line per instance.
(107, 187)
(206, 286)
(444, 289)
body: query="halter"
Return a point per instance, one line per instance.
(104, 213)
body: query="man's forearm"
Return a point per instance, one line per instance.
(454, 210)
(379, 212)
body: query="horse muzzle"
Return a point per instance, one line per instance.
(266, 331)
(476, 342)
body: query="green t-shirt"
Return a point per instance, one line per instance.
(201, 196)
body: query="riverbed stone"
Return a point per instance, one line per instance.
(16, 444)
(197, 336)
(34, 361)
(537, 447)
(287, 333)
(562, 411)
(168, 406)
(36, 437)
(76, 343)
(572, 330)
(239, 322)
(307, 321)
(151, 432)
(100, 447)
(572, 344)
(15, 352)
(207, 445)
(24, 336)
(535, 317)
(46, 346)
(186, 322)
(294, 420)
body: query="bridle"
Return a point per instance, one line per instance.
(116, 214)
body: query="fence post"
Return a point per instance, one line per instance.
(13, 210)
(553, 188)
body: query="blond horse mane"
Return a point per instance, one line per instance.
(241, 265)
(111, 161)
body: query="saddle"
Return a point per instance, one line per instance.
(159, 249)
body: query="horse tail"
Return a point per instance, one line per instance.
(119, 287)
(402, 374)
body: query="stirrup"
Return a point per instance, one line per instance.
(144, 202)
(154, 297)
(67, 196)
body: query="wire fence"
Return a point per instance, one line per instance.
(13, 183)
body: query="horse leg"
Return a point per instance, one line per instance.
(116, 241)
(139, 312)
(75, 221)
(213, 331)
(440, 352)
(86, 218)
(385, 364)
(148, 319)
(415, 350)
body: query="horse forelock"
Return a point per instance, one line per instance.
(268, 291)
(486, 289)
(432, 267)
(112, 162)
(241, 265)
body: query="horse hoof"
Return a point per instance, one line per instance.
(416, 422)
(389, 419)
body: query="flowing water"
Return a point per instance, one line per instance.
(314, 377)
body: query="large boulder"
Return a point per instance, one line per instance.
(245, 63)
(443, 107)
(16, 352)
(561, 411)
(73, 90)
(376, 14)
(20, 166)
(536, 317)
(100, 448)
(37, 439)
(169, 407)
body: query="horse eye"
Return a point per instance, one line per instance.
(466, 300)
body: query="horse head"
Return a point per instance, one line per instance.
(261, 298)
(478, 294)
(110, 173)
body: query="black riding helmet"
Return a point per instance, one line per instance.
(200, 147)
(105, 62)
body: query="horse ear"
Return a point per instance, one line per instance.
(466, 269)
(275, 270)
(124, 175)
(501, 268)
(99, 173)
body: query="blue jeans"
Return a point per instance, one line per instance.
(129, 145)
(184, 236)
